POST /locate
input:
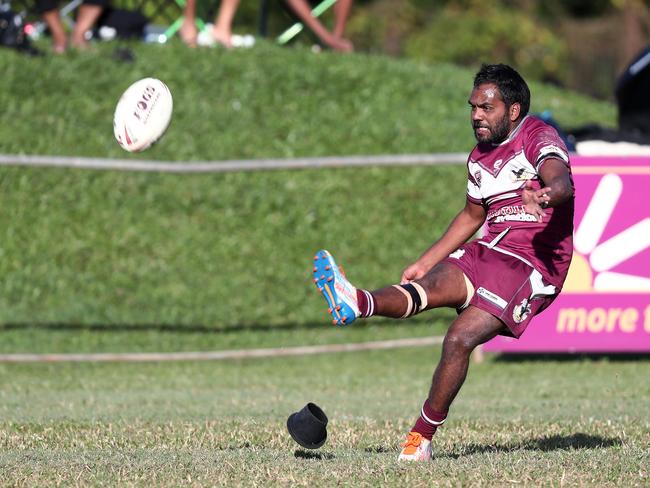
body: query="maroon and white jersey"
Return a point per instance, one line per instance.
(496, 177)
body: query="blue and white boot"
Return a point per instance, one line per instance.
(341, 296)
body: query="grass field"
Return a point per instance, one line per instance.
(132, 262)
(528, 422)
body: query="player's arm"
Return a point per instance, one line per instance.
(557, 188)
(461, 228)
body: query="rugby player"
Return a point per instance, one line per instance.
(519, 184)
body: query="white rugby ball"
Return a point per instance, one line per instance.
(142, 114)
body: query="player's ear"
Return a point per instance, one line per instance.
(515, 110)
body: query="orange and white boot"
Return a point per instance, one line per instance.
(416, 448)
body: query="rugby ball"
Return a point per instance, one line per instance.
(142, 114)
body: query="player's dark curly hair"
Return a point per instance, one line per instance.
(512, 86)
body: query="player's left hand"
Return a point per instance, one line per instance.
(535, 200)
(413, 272)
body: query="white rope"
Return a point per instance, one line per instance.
(231, 165)
(219, 167)
(220, 355)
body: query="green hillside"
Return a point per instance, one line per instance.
(257, 103)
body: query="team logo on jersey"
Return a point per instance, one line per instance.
(477, 178)
(522, 174)
(521, 311)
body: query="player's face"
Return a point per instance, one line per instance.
(490, 116)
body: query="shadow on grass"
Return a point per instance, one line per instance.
(302, 454)
(378, 449)
(177, 328)
(544, 444)
(170, 328)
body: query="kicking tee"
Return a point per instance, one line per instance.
(496, 178)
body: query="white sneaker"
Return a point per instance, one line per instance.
(204, 37)
(416, 448)
(242, 41)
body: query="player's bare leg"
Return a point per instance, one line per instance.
(472, 328)
(444, 286)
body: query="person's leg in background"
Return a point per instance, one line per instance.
(341, 13)
(49, 10)
(87, 15)
(330, 39)
(222, 30)
(188, 30)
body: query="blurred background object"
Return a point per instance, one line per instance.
(577, 44)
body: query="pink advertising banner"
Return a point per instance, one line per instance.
(605, 303)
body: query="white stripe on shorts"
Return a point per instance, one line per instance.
(509, 253)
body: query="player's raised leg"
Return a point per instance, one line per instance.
(443, 285)
(472, 328)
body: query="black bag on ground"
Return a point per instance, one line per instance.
(11, 28)
(12, 32)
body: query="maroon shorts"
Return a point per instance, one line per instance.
(504, 285)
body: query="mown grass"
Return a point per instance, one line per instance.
(550, 423)
(86, 247)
